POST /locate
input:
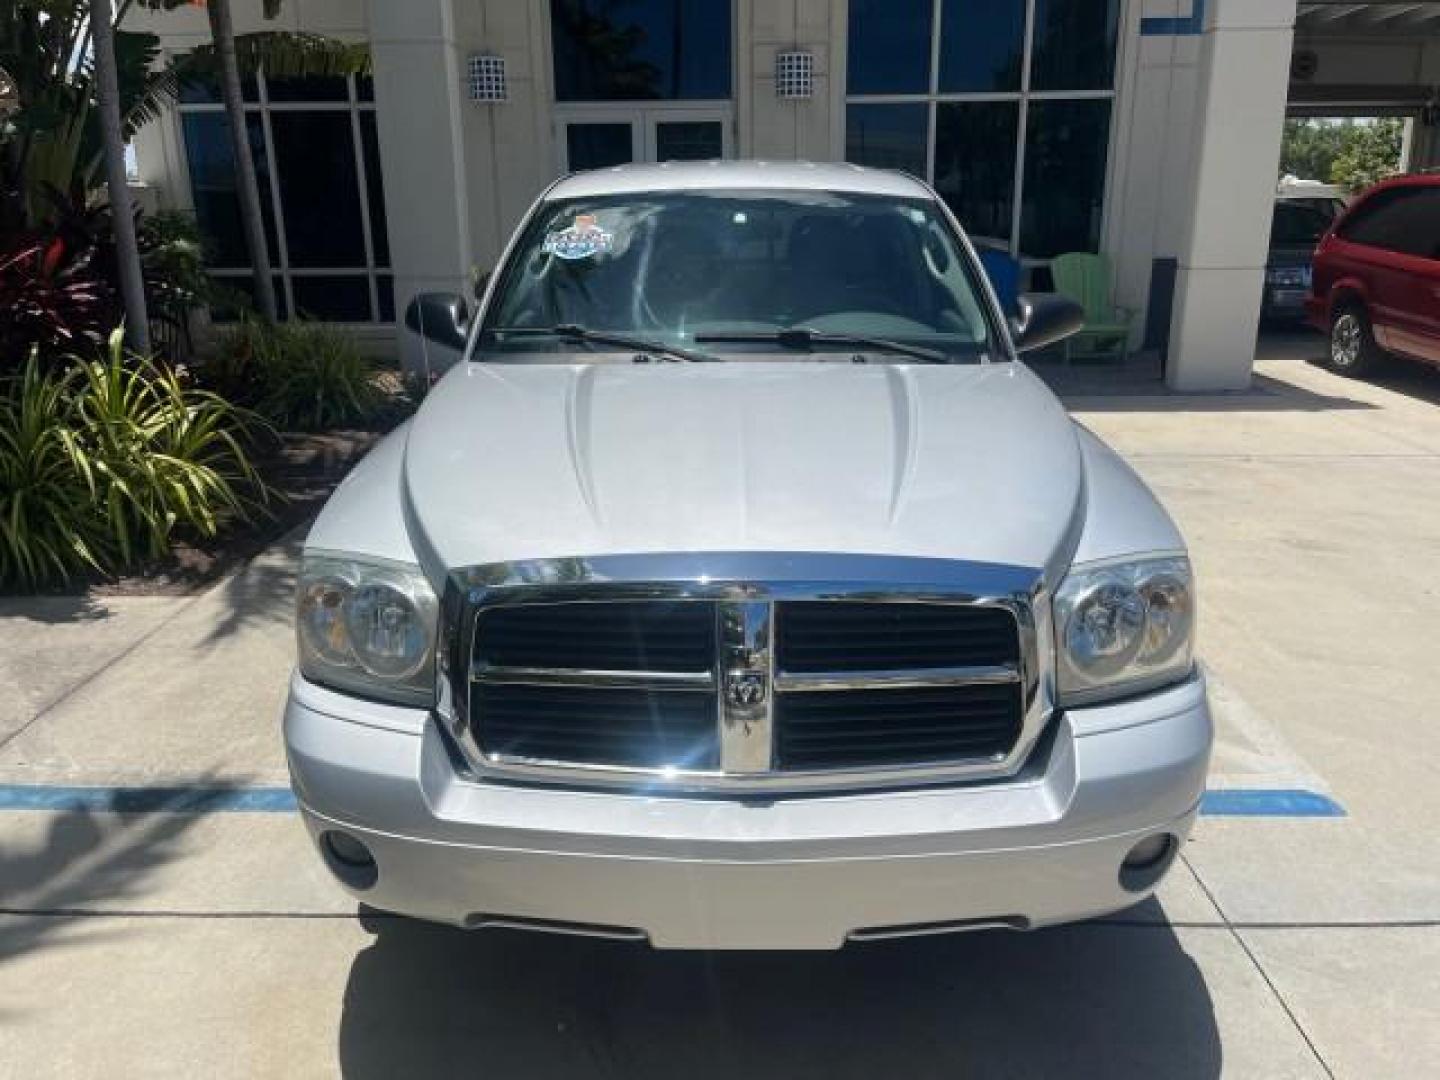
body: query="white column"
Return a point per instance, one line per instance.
(1244, 77)
(418, 91)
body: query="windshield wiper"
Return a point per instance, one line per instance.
(799, 337)
(572, 332)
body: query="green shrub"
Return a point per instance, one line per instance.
(48, 524)
(301, 376)
(104, 462)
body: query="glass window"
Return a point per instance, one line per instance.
(1297, 224)
(888, 136)
(889, 46)
(201, 89)
(1074, 44)
(385, 290)
(599, 146)
(1066, 147)
(720, 269)
(303, 142)
(689, 140)
(242, 289)
(213, 190)
(1405, 220)
(332, 299)
(975, 164)
(982, 45)
(320, 188)
(375, 189)
(641, 50)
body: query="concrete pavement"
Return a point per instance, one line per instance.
(166, 944)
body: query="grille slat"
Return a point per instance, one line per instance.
(847, 635)
(620, 636)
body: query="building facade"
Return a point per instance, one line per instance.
(1145, 129)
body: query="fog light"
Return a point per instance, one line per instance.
(349, 860)
(1148, 852)
(1147, 862)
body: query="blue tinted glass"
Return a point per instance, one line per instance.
(202, 88)
(237, 295)
(385, 287)
(319, 188)
(1066, 147)
(212, 184)
(887, 136)
(598, 146)
(889, 46)
(982, 45)
(975, 164)
(641, 50)
(316, 88)
(1074, 44)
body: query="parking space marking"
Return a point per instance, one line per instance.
(1222, 802)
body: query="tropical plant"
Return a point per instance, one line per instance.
(1373, 153)
(51, 298)
(108, 461)
(300, 376)
(48, 525)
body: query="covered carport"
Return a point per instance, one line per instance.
(1371, 59)
(1258, 61)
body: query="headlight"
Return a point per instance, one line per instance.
(367, 626)
(1124, 628)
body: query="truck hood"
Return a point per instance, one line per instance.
(527, 461)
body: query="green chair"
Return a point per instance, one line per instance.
(1086, 279)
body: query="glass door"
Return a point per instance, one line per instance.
(597, 139)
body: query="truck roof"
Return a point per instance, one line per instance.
(715, 175)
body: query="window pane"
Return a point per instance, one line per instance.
(1066, 145)
(202, 89)
(1074, 44)
(212, 183)
(329, 88)
(887, 136)
(319, 188)
(598, 146)
(332, 299)
(982, 45)
(889, 46)
(385, 289)
(365, 87)
(375, 185)
(1402, 219)
(689, 140)
(975, 164)
(243, 289)
(641, 50)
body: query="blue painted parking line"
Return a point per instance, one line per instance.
(1228, 802)
(1260, 802)
(149, 800)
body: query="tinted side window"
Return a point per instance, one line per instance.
(1403, 220)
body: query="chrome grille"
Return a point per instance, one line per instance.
(917, 670)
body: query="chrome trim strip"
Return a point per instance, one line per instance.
(917, 679)
(701, 681)
(747, 741)
(740, 577)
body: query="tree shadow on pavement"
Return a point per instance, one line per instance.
(85, 862)
(1112, 1000)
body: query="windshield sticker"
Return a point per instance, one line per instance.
(583, 240)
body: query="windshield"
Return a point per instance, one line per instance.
(1301, 223)
(741, 271)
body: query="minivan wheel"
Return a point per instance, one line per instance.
(1352, 344)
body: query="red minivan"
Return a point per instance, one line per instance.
(1376, 287)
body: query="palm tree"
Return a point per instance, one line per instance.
(222, 33)
(122, 210)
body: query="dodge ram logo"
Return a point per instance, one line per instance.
(745, 689)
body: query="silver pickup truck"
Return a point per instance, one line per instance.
(741, 589)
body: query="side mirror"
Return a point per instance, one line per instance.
(442, 318)
(1043, 319)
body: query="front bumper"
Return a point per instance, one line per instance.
(803, 872)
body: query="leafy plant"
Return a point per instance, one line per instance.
(48, 525)
(50, 298)
(303, 376)
(106, 462)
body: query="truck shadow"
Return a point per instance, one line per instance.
(1118, 999)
